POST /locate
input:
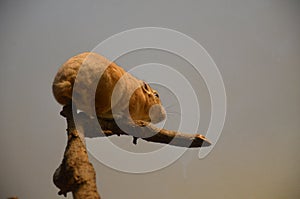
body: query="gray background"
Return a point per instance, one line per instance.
(256, 46)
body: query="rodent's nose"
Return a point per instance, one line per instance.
(157, 113)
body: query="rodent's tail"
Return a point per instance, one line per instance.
(62, 92)
(63, 83)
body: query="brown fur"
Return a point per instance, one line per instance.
(141, 101)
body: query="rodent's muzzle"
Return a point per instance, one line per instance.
(157, 113)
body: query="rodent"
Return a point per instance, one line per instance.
(141, 101)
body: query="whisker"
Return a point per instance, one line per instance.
(170, 106)
(173, 113)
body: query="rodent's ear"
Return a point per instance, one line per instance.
(146, 88)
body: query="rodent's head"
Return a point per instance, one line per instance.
(145, 105)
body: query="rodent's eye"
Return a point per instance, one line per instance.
(156, 94)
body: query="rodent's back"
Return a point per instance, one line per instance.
(93, 66)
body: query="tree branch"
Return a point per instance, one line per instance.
(77, 175)
(140, 129)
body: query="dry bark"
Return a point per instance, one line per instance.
(77, 175)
